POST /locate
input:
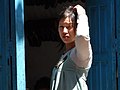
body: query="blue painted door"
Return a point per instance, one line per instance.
(117, 7)
(103, 74)
(12, 61)
(6, 67)
(5, 77)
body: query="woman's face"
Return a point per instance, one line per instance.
(66, 30)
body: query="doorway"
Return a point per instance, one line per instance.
(42, 40)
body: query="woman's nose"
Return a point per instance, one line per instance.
(65, 30)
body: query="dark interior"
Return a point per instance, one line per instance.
(41, 37)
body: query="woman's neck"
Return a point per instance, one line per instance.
(69, 46)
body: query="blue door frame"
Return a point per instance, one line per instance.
(117, 7)
(20, 45)
(12, 54)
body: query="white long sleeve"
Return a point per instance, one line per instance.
(82, 53)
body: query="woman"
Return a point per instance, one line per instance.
(71, 71)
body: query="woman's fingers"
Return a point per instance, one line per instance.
(80, 9)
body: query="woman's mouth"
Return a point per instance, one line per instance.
(66, 36)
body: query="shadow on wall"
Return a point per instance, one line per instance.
(40, 61)
(37, 31)
(42, 84)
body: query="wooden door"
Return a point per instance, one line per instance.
(101, 14)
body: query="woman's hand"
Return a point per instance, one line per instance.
(81, 14)
(80, 9)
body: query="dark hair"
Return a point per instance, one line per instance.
(68, 12)
(43, 82)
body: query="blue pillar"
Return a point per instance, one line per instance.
(20, 45)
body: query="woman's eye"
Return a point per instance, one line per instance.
(68, 27)
(61, 26)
